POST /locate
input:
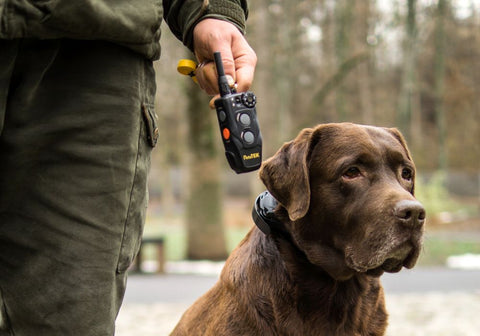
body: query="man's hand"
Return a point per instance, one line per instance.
(238, 57)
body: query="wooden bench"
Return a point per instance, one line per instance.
(159, 244)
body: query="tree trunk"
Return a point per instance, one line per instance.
(409, 86)
(343, 19)
(205, 233)
(439, 82)
(363, 74)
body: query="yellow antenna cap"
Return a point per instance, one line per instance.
(187, 67)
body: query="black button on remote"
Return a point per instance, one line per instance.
(222, 116)
(248, 137)
(244, 119)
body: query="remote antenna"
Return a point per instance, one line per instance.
(223, 86)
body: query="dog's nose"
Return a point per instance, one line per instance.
(410, 213)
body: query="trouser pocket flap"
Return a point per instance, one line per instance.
(151, 123)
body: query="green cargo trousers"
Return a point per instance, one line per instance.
(76, 131)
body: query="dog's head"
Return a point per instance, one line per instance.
(349, 194)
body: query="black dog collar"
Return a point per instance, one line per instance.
(263, 212)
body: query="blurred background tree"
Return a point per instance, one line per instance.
(205, 234)
(410, 64)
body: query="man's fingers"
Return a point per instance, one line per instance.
(244, 78)
(238, 58)
(206, 74)
(207, 78)
(245, 62)
(227, 60)
(212, 101)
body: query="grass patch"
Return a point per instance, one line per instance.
(436, 199)
(436, 250)
(175, 237)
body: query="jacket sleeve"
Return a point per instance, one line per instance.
(182, 15)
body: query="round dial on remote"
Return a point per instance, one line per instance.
(249, 99)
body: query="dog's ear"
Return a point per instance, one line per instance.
(286, 175)
(397, 135)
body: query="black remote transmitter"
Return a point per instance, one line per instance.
(238, 123)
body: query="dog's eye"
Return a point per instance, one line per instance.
(352, 172)
(407, 174)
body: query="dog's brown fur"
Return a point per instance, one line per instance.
(347, 214)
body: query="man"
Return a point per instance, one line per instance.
(76, 130)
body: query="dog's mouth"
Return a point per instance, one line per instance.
(391, 265)
(404, 256)
(390, 255)
(392, 260)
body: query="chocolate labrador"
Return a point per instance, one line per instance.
(339, 212)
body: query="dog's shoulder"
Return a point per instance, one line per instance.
(256, 261)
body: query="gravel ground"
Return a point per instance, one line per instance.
(421, 302)
(411, 314)
(436, 314)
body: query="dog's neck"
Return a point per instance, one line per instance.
(265, 218)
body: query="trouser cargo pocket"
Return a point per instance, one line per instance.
(148, 134)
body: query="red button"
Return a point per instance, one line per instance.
(226, 133)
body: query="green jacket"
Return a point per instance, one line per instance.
(133, 23)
